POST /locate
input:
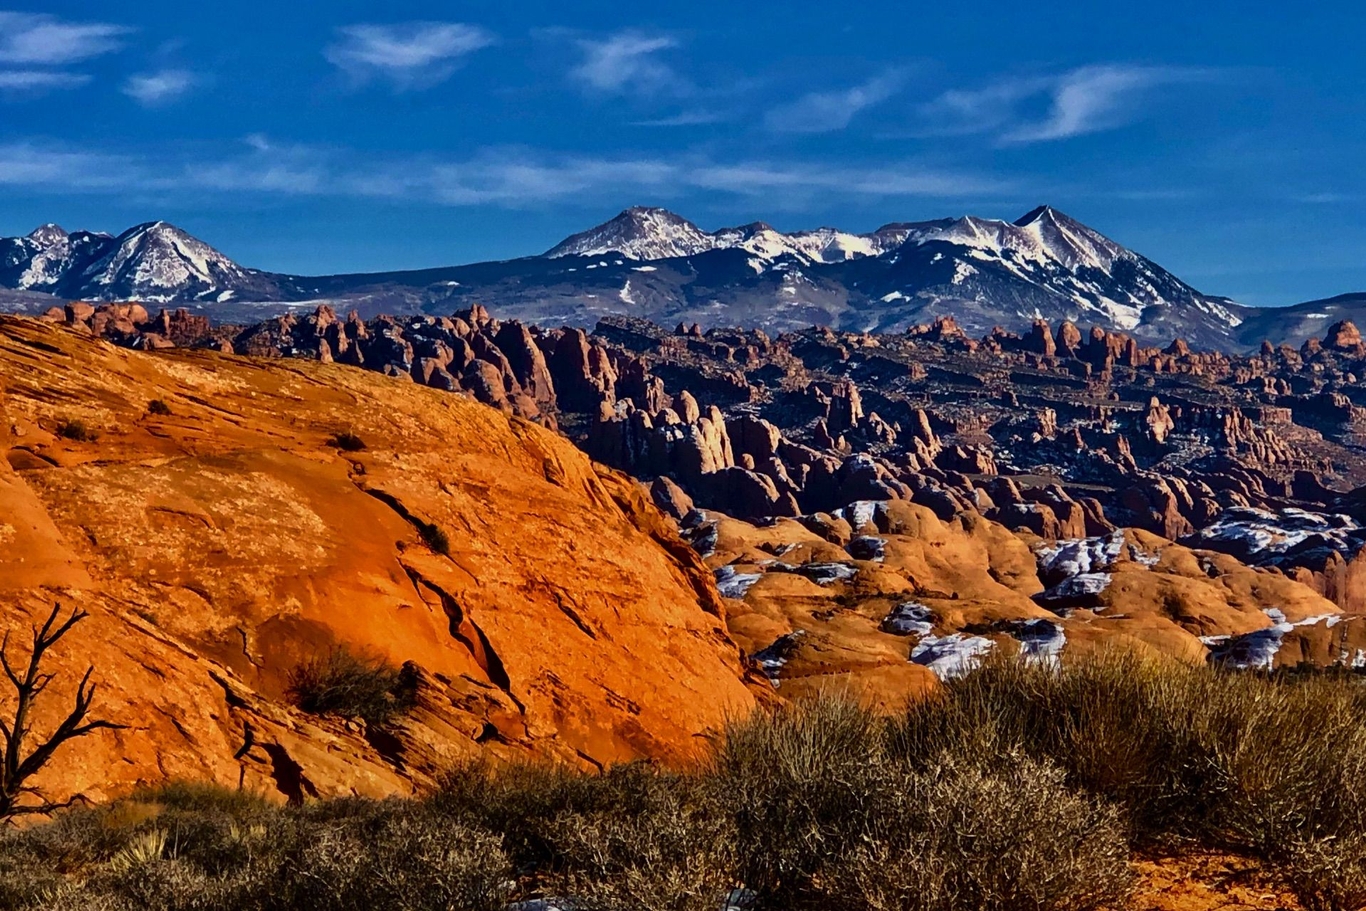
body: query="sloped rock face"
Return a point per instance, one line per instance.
(218, 546)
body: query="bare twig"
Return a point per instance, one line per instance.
(19, 764)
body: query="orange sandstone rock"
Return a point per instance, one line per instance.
(218, 546)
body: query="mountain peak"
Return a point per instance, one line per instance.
(1039, 213)
(47, 234)
(640, 232)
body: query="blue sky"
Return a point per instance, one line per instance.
(1224, 143)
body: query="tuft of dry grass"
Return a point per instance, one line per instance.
(342, 683)
(76, 430)
(346, 441)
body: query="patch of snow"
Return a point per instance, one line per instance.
(1040, 640)
(1264, 536)
(828, 573)
(1257, 650)
(868, 547)
(862, 513)
(951, 656)
(772, 658)
(732, 583)
(909, 619)
(962, 272)
(1071, 557)
(644, 269)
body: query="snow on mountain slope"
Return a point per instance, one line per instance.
(648, 234)
(991, 272)
(152, 262)
(654, 264)
(160, 262)
(639, 233)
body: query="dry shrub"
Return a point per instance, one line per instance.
(395, 856)
(1330, 874)
(76, 430)
(1234, 760)
(632, 837)
(825, 815)
(797, 783)
(960, 835)
(348, 685)
(347, 441)
(435, 537)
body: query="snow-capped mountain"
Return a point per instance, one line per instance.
(654, 264)
(639, 233)
(985, 272)
(646, 234)
(155, 262)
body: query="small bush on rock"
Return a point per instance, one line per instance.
(347, 685)
(347, 442)
(76, 431)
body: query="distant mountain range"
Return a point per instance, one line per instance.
(651, 263)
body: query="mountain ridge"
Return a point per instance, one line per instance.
(655, 264)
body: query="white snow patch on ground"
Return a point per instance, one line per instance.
(772, 659)
(827, 573)
(951, 656)
(732, 583)
(644, 269)
(1253, 533)
(868, 547)
(1040, 640)
(1072, 557)
(1080, 584)
(1258, 649)
(861, 512)
(909, 619)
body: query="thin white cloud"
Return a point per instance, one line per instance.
(627, 62)
(965, 111)
(1085, 100)
(410, 54)
(684, 119)
(37, 82)
(38, 39)
(826, 112)
(25, 165)
(506, 177)
(161, 87)
(1094, 98)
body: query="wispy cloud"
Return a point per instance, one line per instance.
(1088, 99)
(826, 112)
(409, 55)
(161, 87)
(35, 82)
(34, 48)
(684, 119)
(38, 39)
(505, 177)
(627, 62)
(1096, 98)
(26, 165)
